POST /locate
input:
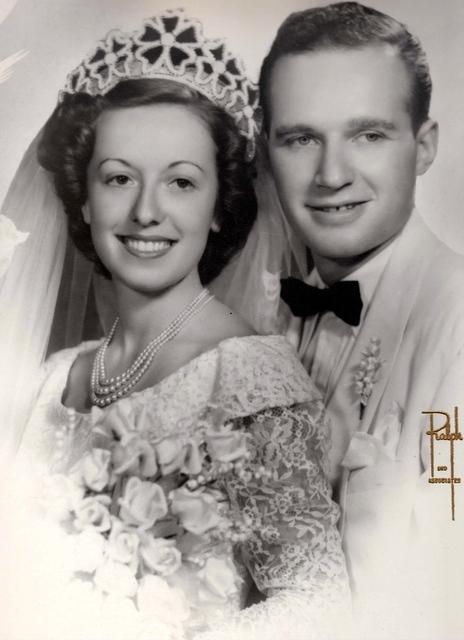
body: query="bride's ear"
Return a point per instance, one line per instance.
(86, 213)
(215, 226)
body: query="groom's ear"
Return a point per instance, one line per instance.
(86, 213)
(426, 144)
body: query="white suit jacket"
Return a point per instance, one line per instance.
(396, 526)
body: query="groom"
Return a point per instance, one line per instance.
(345, 92)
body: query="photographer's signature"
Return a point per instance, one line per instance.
(444, 437)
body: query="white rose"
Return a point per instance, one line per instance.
(93, 513)
(60, 496)
(170, 453)
(93, 469)
(123, 544)
(120, 610)
(88, 550)
(10, 238)
(84, 597)
(226, 444)
(143, 503)
(160, 555)
(116, 579)
(194, 457)
(197, 510)
(155, 597)
(219, 577)
(135, 455)
(150, 627)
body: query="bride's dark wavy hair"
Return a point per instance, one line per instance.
(67, 145)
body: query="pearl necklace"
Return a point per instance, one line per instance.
(104, 390)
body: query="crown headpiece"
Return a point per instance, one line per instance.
(172, 46)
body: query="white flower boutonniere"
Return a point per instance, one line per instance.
(367, 373)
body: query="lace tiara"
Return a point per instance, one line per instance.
(172, 46)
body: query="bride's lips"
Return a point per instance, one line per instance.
(150, 247)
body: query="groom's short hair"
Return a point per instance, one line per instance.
(350, 25)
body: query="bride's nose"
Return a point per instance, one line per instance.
(148, 207)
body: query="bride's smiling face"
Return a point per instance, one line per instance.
(152, 188)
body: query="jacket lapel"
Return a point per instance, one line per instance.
(386, 320)
(392, 304)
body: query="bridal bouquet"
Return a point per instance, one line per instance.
(148, 531)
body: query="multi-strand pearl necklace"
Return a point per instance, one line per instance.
(104, 390)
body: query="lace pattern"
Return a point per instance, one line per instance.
(297, 519)
(294, 555)
(240, 377)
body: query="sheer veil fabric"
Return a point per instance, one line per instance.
(28, 292)
(250, 284)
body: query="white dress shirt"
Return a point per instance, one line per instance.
(324, 343)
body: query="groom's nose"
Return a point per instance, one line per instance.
(333, 169)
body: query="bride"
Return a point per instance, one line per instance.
(150, 152)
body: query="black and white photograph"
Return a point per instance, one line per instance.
(231, 320)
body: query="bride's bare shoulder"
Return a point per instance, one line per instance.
(220, 322)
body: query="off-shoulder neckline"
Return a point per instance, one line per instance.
(89, 345)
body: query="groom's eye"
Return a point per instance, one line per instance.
(302, 140)
(371, 136)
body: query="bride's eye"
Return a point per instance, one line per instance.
(120, 180)
(182, 184)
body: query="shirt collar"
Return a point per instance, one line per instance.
(368, 275)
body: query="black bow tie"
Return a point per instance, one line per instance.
(343, 298)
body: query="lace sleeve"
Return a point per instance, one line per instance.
(294, 556)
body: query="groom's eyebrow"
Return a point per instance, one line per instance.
(357, 124)
(284, 130)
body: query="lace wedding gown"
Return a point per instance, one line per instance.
(295, 556)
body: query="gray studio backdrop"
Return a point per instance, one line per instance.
(57, 33)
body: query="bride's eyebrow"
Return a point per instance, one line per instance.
(102, 162)
(194, 164)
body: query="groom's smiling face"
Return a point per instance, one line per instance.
(343, 149)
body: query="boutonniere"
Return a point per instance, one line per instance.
(367, 373)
